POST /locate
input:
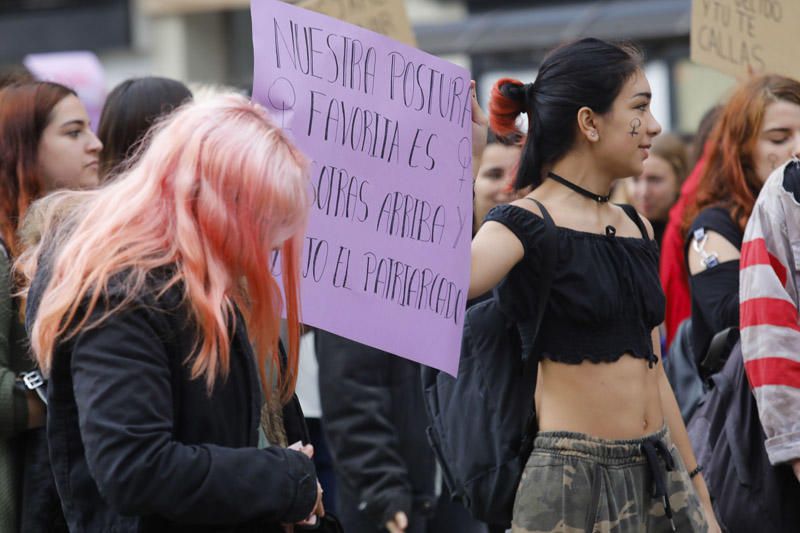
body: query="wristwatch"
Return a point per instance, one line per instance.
(33, 381)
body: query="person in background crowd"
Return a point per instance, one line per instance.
(45, 144)
(604, 455)
(656, 189)
(769, 303)
(374, 419)
(494, 181)
(140, 316)
(672, 266)
(758, 130)
(130, 109)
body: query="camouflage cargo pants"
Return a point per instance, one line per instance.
(574, 483)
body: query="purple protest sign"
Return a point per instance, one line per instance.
(388, 129)
(80, 71)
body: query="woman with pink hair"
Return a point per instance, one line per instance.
(152, 312)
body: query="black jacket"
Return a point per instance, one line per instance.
(138, 446)
(374, 419)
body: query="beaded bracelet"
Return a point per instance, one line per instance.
(696, 471)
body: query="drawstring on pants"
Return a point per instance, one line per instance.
(652, 448)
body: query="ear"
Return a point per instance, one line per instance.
(587, 125)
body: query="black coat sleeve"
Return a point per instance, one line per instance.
(122, 386)
(356, 402)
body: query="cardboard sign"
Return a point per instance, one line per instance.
(80, 71)
(742, 36)
(388, 129)
(387, 17)
(182, 7)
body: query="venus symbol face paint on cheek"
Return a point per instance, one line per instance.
(636, 125)
(773, 161)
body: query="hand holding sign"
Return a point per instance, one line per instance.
(480, 131)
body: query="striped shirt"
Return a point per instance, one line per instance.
(769, 323)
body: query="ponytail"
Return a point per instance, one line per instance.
(506, 104)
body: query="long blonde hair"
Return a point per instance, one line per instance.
(218, 188)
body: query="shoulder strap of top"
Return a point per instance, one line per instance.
(548, 260)
(634, 215)
(545, 214)
(529, 329)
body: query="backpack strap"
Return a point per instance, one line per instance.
(634, 215)
(529, 329)
(549, 255)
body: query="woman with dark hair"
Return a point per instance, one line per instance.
(130, 109)
(45, 144)
(758, 130)
(604, 456)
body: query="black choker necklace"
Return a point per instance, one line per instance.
(579, 190)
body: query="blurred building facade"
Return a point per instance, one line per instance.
(209, 41)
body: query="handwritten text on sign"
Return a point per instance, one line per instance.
(739, 36)
(387, 127)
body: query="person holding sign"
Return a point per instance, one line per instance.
(158, 326)
(604, 456)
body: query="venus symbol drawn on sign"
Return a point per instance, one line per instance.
(463, 160)
(282, 97)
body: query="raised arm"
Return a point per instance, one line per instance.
(480, 131)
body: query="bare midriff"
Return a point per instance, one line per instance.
(618, 400)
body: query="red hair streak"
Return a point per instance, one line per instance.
(504, 111)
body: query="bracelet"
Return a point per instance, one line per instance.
(697, 470)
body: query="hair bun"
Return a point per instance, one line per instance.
(508, 100)
(516, 91)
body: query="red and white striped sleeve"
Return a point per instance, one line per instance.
(770, 328)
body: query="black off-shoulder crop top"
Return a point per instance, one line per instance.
(605, 297)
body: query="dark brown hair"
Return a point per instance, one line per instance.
(130, 109)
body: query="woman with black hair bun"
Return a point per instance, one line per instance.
(612, 451)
